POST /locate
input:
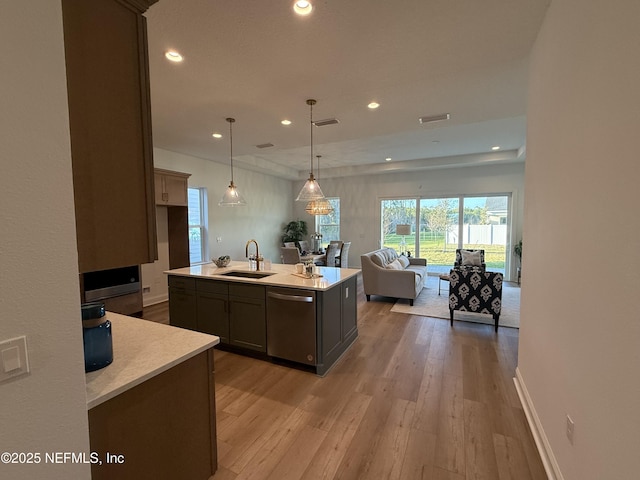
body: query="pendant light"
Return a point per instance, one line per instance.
(231, 197)
(311, 189)
(322, 206)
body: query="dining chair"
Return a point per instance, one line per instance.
(289, 244)
(290, 255)
(330, 255)
(304, 246)
(343, 260)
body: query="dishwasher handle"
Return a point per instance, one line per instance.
(290, 298)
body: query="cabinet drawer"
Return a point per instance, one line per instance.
(247, 291)
(212, 286)
(182, 282)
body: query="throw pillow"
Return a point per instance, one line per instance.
(404, 261)
(471, 258)
(395, 265)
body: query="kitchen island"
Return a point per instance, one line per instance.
(274, 314)
(152, 411)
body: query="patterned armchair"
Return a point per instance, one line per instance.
(470, 259)
(475, 291)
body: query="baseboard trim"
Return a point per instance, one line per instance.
(147, 302)
(544, 448)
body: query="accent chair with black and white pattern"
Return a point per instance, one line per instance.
(470, 259)
(475, 291)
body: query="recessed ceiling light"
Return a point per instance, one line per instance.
(286, 122)
(173, 56)
(495, 147)
(373, 105)
(216, 135)
(302, 7)
(388, 159)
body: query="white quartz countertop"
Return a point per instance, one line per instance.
(281, 275)
(141, 350)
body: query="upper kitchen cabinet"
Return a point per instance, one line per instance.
(171, 187)
(110, 123)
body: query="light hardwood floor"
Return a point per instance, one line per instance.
(413, 398)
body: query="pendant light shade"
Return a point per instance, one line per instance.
(322, 206)
(319, 207)
(311, 190)
(231, 197)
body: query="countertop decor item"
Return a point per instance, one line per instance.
(96, 334)
(222, 261)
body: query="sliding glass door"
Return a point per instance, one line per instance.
(484, 227)
(438, 226)
(439, 218)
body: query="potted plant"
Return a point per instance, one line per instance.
(294, 231)
(518, 251)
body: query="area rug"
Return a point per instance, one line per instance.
(430, 304)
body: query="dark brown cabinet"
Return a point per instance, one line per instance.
(213, 308)
(183, 302)
(247, 316)
(110, 127)
(171, 191)
(240, 314)
(163, 428)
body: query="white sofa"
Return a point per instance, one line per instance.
(386, 273)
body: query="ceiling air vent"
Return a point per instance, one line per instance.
(328, 121)
(264, 145)
(434, 118)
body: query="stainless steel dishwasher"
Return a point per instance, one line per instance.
(291, 324)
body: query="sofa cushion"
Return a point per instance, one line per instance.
(389, 255)
(471, 258)
(419, 270)
(404, 261)
(378, 258)
(395, 265)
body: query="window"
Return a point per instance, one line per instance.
(440, 225)
(329, 225)
(198, 237)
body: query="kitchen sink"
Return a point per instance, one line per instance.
(244, 274)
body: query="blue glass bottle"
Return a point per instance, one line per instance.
(96, 334)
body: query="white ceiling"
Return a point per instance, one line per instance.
(257, 61)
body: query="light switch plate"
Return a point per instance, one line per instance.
(14, 360)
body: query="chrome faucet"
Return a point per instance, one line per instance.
(257, 257)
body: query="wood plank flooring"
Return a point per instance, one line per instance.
(414, 398)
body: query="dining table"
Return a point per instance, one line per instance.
(316, 257)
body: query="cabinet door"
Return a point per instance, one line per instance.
(171, 187)
(183, 308)
(247, 323)
(330, 321)
(176, 190)
(213, 315)
(110, 127)
(158, 182)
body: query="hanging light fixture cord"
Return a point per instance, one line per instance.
(231, 120)
(311, 103)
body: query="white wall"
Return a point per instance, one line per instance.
(268, 209)
(44, 411)
(360, 197)
(580, 335)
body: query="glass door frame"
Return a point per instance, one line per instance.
(508, 255)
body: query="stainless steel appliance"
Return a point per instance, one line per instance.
(119, 289)
(291, 324)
